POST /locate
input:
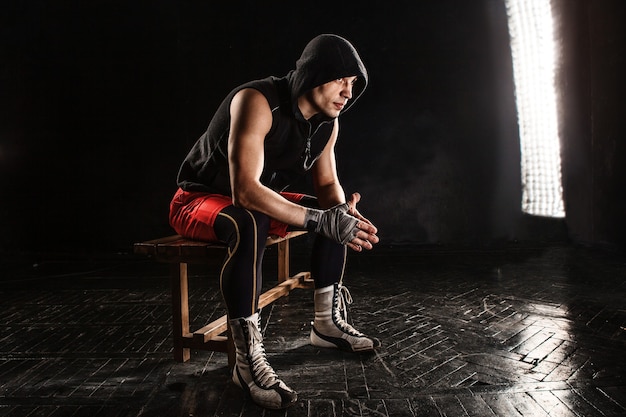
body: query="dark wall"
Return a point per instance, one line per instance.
(102, 99)
(593, 128)
(608, 126)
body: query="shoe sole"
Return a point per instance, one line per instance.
(241, 383)
(320, 340)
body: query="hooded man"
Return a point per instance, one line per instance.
(266, 135)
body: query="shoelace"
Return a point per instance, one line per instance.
(261, 368)
(343, 300)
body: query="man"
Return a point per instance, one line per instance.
(265, 135)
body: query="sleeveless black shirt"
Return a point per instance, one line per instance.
(293, 144)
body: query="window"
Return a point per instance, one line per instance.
(533, 53)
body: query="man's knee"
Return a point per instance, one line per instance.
(245, 224)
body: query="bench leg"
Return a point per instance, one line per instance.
(180, 310)
(283, 260)
(230, 348)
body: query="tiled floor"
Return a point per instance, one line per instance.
(516, 331)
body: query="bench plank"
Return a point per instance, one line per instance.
(176, 248)
(219, 326)
(178, 252)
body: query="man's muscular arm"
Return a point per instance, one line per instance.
(251, 120)
(328, 190)
(330, 193)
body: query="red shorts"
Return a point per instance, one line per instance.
(193, 213)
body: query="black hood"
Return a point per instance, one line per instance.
(326, 58)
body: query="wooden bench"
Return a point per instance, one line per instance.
(215, 336)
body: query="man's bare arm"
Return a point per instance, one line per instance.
(251, 120)
(328, 190)
(329, 193)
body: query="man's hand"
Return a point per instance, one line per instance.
(343, 224)
(367, 234)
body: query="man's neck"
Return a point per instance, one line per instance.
(307, 110)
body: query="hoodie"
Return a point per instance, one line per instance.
(293, 143)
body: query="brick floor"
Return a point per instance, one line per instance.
(516, 331)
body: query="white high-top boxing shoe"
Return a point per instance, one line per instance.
(252, 371)
(331, 329)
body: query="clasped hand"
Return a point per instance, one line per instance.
(365, 236)
(343, 224)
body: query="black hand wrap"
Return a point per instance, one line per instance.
(334, 223)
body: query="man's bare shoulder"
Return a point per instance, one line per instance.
(250, 99)
(251, 112)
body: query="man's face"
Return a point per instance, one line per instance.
(332, 97)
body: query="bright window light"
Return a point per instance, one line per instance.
(533, 51)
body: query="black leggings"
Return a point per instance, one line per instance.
(245, 232)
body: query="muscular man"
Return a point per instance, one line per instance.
(265, 135)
